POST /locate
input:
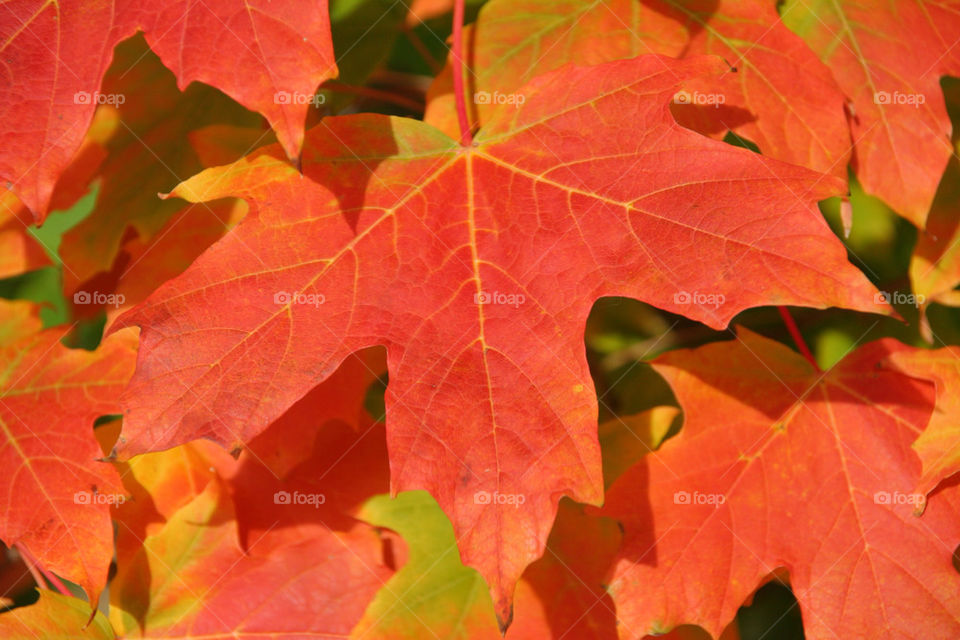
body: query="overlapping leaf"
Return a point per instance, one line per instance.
(433, 595)
(559, 596)
(473, 268)
(269, 55)
(939, 445)
(144, 262)
(780, 466)
(888, 60)
(57, 495)
(231, 550)
(513, 42)
(777, 94)
(149, 152)
(56, 617)
(476, 268)
(202, 584)
(935, 264)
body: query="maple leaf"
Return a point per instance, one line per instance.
(144, 263)
(214, 573)
(779, 465)
(160, 485)
(939, 444)
(778, 94)
(58, 494)
(513, 42)
(935, 263)
(432, 594)
(75, 180)
(55, 617)
(320, 446)
(558, 595)
(202, 584)
(150, 147)
(476, 268)
(888, 61)
(269, 55)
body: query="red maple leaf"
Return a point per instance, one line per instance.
(888, 61)
(269, 55)
(939, 445)
(147, 142)
(57, 495)
(777, 93)
(235, 549)
(190, 561)
(476, 268)
(778, 465)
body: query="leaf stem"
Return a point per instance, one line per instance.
(34, 565)
(798, 337)
(459, 68)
